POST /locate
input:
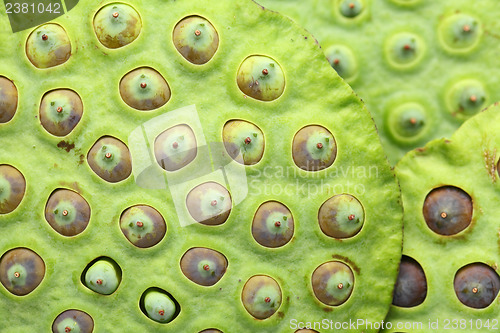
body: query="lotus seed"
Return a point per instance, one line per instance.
(74, 213)
(110, 159)
(411, 285)
(273, 224)
(8, 99)
(54, 49)
(333, 282)
(144, 89)
(151, 226)
(203, 266)
(261, 296)
(60, 111)
(102, 276)
(117, 25)
(254, 83)
(176, 147)
(476, 285)
(73, 321)
(237, 136)
(196, 39)
(12, 188)
(21, 271)
(314, 148)
(204, 208)
(159, 306)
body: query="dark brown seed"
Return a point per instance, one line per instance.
(110, 159)
(261, 296)
(12, 188)
(333, 282)
(143, 226)
(209, 203)
(273, 224)
(305, 150)
(411, 285)
(176, 147)
(60, 111)
(8, 99)
(67, 212)
(73, 321)
(21, 271)
(447, 210)
(476, 285)
(203, 266)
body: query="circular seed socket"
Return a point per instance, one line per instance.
(408, 123)
(144, 89)
(404, 50)
(476, 285)
(73, 321)
(411, 285)
(48, 46)
(314, 148)
(60, 111)
(211, 330)
(466, 98)
(203, 266)
(459, 33)
(21, 271)
(341, 216)
(332, 283)
(117, 25)
(143, 226)
(209, 203)
(102, 275)
(110, 159)
(243, 141)
(261, 77)
(351, 8)
(342, 59)
(447, 210)
(261, 296)
(8, 99)
(272, 224)
(12, 188)
(159, 305)
(67, 212)
(196, 39)
(176, 147)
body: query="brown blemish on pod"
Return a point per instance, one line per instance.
(8, 99)
(67, 212)
(273, 224)
(12, 188)
(306, 151)
(476, 285)
(203, 266)
(21, 271)
(82, 320)
(411, 284)
(200, 203)
(114, 168)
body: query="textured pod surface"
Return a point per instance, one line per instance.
(394, 52)
(456, 179)
(204, 97)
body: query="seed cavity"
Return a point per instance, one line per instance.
(327, 279)
(144, 89)
(261, 296)
(110, 159)
(176, 147)
(411, 284)
(60, 111)
(117, 25)
(196, 39)
(53, 49)
(254, 83)
(159, 305)
(8, 99)
(273, 224)
(200, 203)
(476, 285)
(12, 188)
(305, 150)
(73, 321)
(203, 266)
(143, 226)
(103, 276)
(21, 271)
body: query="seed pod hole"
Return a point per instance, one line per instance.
(48, 46)
(60, 111)
(261, 296)
(117, 25)
(342, 59)
(341, 216)
(110, 159)
(459, 33)
(67, 212)
(209, 203)
(314, 148)
(203, 266)
(447, 210)
(404, 50)
(143, 226)
(244, 141)
(272, 224)
(12, 188)
(73, 321)
(476, 285)
(261, 77)
(21, 271)
(159, 305)
(144, 89)
(333, 282)
(176, 147)
(411, 285)
(103, 276)
(196, 39)
(8, 99)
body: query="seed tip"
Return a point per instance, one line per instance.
(197, 32)
(267, 299)
(206, 267)
(115, 14)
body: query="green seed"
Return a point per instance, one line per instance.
(314, 148)
(411, 285)
(209, 203)
(117, 25)
(408, 123)
(60, 111)
(73, 321)
(459, 33)
(332, 283)
(272, 224)
(159, 306)
(143, 226)
(21, 271)
(196, 39)
(342, 59)
(404, 50)
(261, 296)
(12, 188)
(466, 98)
(341, 216)
(203, 266)
(110, 159)
(144, 89)
(351, 8)
(176, 147)
(48, 46)
(476, 285)
(8, 99)
(67, 212)
(243, 141)
(261, 77)
(103, 276)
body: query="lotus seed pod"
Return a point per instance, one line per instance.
(411, 285)
(447, 210)
(143, 225)
(261, 296)
(314, 148)
(209, 203)
(459, 33)
(211, 330)
(404, 50)
(332, 283)
(21, 271)
(342, 59)
(243, 137)
(196, 39)
(351, 8)
(60, 111)
(261, 77)
(110, 159)
(466, 98)
(341, 216)
(144, 89)
(272, 224)
(103, 276)
(408, 123)
(159, 305)
(12, 188)
(48, 46)
(67, 212)
(117, 25)
(476, 285)
(203, 266)
(8, 99)
(73, 321)
(176, 147)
